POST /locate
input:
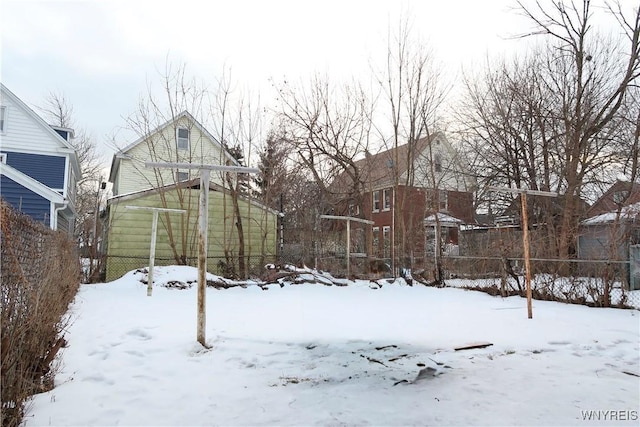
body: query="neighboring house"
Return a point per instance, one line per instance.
(539, 210)
(180, 140)
(621, 193)
(130, 229)
(613, 224)
(39, 166)
(436, 181)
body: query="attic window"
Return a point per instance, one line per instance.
(182, 136)
(3, 114)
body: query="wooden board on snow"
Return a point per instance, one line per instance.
(471, 346)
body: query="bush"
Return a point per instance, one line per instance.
(40, 273)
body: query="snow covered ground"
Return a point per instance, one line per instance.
(312, 354)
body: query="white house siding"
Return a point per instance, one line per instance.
(134, 176)
(451, 176)
(24, 134)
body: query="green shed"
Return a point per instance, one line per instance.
(239, 244)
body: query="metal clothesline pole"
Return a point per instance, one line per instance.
(203, 223)
(154, 233)
(348, 219)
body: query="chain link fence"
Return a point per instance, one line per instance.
(600, 283)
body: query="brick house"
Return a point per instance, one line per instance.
(431, 179)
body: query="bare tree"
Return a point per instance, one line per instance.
(329, 127)
(237, 123)
(88, 227)
(178, 93)
(590, 78)
(547, 120)
(413, 86)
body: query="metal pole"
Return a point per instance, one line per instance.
(527, 255)
(205, 172)
(348, 249)
(152, 252)
(202, 253)
(154, 232)
(95, 229)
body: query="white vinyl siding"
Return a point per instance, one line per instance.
(133, 176)
(24, 134)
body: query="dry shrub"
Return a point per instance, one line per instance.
(40, 277)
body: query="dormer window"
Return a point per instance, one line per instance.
(3, 115)
(182, 137)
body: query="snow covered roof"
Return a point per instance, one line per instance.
(443, 219)
(626, 213)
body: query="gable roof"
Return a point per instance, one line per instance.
(606, 202)
(64, 144)
(376, 169)
(122, 154)
(627, 214)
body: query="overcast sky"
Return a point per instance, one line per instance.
(101, 54)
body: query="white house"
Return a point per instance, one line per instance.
(179, 140)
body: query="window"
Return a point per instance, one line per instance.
(443, 200)
(439, 199)
(183, 138)
(620, 196)
(3, 116)
(354, 210)
(376, 201)
(437, 162)
(386, 240)
(182, 176)
(386, 199)
(375, 241)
